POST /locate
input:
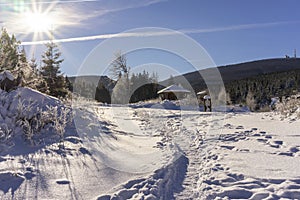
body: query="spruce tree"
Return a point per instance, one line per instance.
(50, 71)
(9, 56)
(69, 85)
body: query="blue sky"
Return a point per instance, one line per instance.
(230, 31)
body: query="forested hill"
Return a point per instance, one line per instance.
(256, 82)
(229, 73)
(255, 68)
(245, 70)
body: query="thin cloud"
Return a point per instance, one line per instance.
(238, 27)
(163, 33)
(126, 6)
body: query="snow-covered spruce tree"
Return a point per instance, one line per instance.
(8, 51)
(250, 101)
(50, 71)
(37, 82)
(69, 85)
(13, 59)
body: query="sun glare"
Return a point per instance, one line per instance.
(39, 22)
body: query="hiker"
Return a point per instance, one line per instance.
(207, 103)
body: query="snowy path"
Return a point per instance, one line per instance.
(202, 128)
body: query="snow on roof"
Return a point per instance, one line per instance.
(202, 92)
(6, 74)
(173, 88)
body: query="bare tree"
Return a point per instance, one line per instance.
(119, 67)
(120, 71)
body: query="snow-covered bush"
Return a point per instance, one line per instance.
(5, 132)
(58, 117)
(28, 130)
(21, 115)
(53, 119)
(289, 106)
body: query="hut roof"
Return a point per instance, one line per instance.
(204, 92)
(173, 89)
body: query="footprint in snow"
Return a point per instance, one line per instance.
(84, 151)
(62, 182)
(294, 149)
(239, 127)
(244, 150)
(262, 132)
(227, 147)
(276, 143)
(286, 154)
(262, 140)
(256, 135)
(268, 136)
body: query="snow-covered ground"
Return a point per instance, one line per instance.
(156, 151)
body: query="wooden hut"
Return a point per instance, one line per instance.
(173, 92)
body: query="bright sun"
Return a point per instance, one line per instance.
(38, 22)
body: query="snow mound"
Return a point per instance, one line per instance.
(28, 95)
(24, 103)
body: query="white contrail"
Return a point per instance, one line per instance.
(237, 27)
(47, 2)
(162, 33)
(97, 37)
